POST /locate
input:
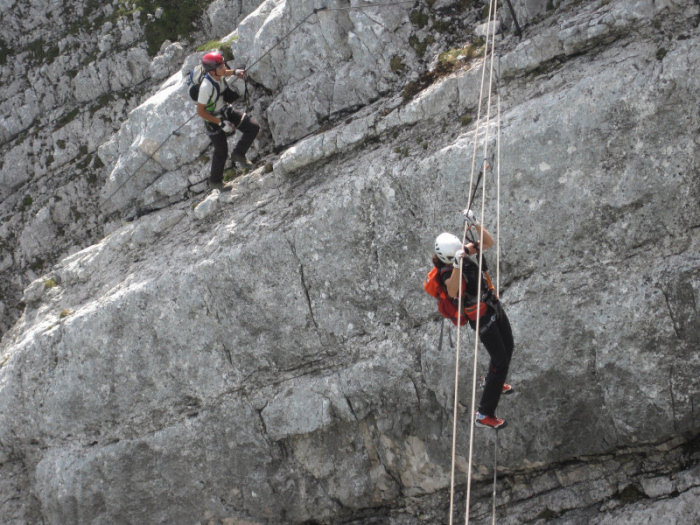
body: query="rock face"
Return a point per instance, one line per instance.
(269, 356)
(71, 73)
(340, 60)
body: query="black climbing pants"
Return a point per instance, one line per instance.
(497, 337)
(243, 123)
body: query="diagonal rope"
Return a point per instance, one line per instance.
(127, 179)
(286, 36)
(367, 6)
(322, 9)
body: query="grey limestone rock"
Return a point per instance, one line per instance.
(338, 61)
(71, 73)
(270, 356)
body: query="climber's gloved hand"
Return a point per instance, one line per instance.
(458, 257)
(240, 73)
(470, 218)
(227, 127)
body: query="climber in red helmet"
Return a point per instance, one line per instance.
(213, 106)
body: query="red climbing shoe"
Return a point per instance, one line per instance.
(489, 421)
(507, 389)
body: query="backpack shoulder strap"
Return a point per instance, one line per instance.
(445, 270)
(468, 261)
(215, 84)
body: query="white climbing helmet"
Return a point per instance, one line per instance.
(446, 245)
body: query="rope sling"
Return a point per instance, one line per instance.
(485, 168)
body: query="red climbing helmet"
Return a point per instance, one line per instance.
(211, 61)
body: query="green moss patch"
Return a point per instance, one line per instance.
(448, 62)
(175, 23)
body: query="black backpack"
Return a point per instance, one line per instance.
(197, 75)
(195, 79)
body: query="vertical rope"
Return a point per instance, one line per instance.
(492, 32)
(495, 476)
(459, 304)
(498, 197)
(478, 122)
(454, 402)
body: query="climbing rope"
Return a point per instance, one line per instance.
(312, 13)
(495, 477)
(491, 25)
(325, 9)
(498, 192)
(366, 6)
(175, 133)
(491, 28)
(485, 167)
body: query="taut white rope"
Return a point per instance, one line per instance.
(498, 197)
(492, 33)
